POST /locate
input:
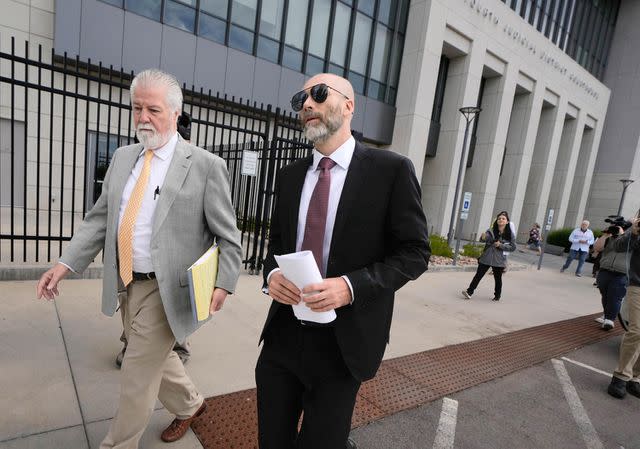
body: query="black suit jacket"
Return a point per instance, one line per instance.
(379, 242)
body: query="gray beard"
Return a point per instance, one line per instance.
(153, 141)
(326, 128)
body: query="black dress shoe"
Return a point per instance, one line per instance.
(634, 388)
(351, 444)
(617, 388)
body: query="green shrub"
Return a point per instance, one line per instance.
(472, 250)
(560, 237)
(439, 246)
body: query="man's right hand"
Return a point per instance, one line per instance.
(635, 226)
(48, 283)
(282, 290)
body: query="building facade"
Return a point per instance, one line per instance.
(539, 69)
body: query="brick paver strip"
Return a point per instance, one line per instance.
(407, 382)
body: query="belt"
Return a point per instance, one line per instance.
(144, 276)
(316, 325)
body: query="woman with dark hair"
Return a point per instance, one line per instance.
(498, 240)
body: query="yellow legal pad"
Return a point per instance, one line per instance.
(202, 280)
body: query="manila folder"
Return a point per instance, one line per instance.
(202, 280)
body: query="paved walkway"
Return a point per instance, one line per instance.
(59, 383)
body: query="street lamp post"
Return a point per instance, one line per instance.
(625, 183)
(469, 113)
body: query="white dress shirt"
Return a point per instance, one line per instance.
(342, 157)
(144, 222)
(577, 235)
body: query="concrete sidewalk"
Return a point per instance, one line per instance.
(59, 385)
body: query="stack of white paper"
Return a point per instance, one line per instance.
(301, 269)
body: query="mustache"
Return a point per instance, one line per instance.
(146, 127)
(305, 116)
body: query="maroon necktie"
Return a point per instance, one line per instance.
(317, 213)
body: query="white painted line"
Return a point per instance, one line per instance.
(595, 370)
(588, 432)
(446, 433)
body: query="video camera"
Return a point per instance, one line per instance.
(184, 125)
(616, 222)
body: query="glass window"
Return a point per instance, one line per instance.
(271, 18)
(340, 34)
(243, 13)
(367, 6)
(319, 27)
(292, 58)
(336, 70)
(357, 81)
(360, 47)
(212, 28)
(376, 90)
(147, 8)
(296, 23)
(404, 15)
(268, 49)
(179, 16)
(215, 7)
(117, 3)
(241, 39)
(387, 11)
(396, 58)
(314, 65)
(381, 49)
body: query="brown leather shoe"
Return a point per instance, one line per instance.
(179, 427)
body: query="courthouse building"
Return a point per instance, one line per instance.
(558, 82)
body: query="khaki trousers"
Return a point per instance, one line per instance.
(150, 369)
(629, 359)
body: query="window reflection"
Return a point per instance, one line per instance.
(179, 16)
(215, 7)
(147, 8)
(340, 34)
(212, 28)
(240, 39)
(243, 13)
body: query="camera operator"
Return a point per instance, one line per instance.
(626, 377)
(612, 274)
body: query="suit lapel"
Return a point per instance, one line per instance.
(350, 191)
(298, 175)
(176, 175)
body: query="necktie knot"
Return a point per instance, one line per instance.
(326, 164)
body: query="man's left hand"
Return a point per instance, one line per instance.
(327, 295)
(217, 300)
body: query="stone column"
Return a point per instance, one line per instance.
(482, 177)
(544, 159)
(565, 167)
(521, 138)
(418, 78)
(440, 172)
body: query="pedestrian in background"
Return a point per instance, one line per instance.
(612, 277)
(535, 238)
(498, 240)
(581, 238)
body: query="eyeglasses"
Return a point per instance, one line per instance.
(319, 94)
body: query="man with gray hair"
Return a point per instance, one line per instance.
(581, 238)
(163, 204)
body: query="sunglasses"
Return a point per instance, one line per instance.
(319, 94)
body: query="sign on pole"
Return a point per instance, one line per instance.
(547, 227)
(249, 163)
(464, 214)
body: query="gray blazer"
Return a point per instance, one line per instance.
(193, 209)
(493, 256)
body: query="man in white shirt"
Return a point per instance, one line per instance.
(581, 238)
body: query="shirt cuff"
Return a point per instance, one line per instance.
(62, 263)
(265, 289)
(348, 283)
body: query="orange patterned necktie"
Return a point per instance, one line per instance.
(125, 231)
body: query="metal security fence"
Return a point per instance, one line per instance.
(61, 120)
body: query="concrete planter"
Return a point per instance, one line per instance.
(554, 249)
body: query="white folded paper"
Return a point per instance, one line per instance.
(301, 269)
